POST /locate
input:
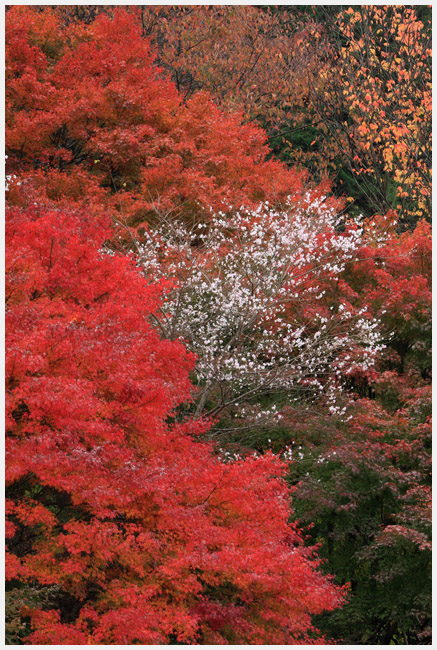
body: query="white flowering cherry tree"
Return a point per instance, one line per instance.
(247, 293)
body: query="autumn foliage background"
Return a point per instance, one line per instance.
(218, 325)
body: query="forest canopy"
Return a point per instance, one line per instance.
(218, 325)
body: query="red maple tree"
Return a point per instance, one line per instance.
(90, 119)
(366, 482)
(130, 528)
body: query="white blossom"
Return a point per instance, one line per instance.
(238, 285)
